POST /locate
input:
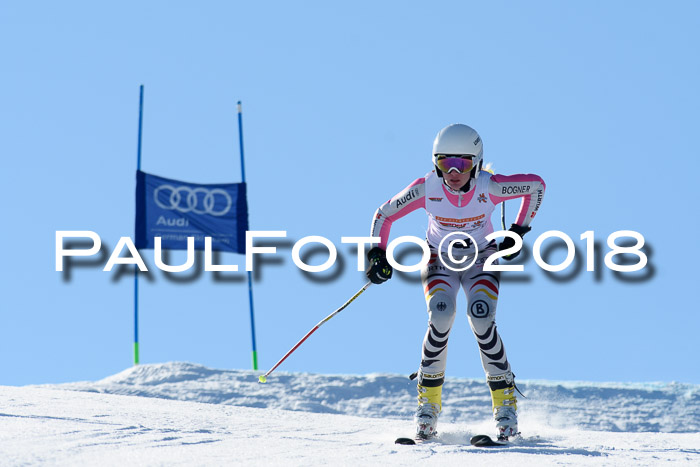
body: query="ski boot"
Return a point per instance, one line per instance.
(429, 407)
(504, 405)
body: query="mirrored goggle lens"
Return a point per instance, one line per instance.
(462, 164)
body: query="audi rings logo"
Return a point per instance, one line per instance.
(198, 200)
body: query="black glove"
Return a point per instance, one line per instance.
(379, 268)
(509, 242)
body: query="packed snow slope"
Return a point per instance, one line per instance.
(181, 413)
(648, 407)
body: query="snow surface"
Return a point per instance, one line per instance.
(182, 413)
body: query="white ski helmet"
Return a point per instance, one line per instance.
(459, 140)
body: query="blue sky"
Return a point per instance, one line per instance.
(341, 105)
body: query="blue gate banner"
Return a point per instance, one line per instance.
(175, 210)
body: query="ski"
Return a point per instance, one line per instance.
(485, 441)
(480, 441)
(413, 441)
(405, 441)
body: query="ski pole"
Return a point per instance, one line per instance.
(503, 215)
(263, 378)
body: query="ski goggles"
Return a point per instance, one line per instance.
(462, 164)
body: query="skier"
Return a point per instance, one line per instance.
(459, 195)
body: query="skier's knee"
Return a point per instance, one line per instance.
(441, 307)
(482, 314)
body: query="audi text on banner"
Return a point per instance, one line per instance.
(175, 210)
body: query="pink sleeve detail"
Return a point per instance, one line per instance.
(418, 181)
(386, 227)
(530, 205)
(406, 201)
(522, 213)
(529, 187)
(384, 234)
(507, 179)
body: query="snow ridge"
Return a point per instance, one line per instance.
(612, 407)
